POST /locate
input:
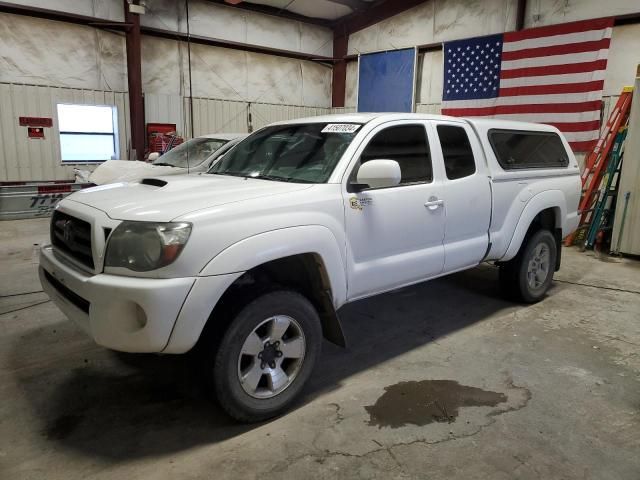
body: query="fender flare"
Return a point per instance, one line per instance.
(544, 200)
(264, 247)
(222, 270)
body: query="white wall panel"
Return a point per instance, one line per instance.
(160, 108)
(340, 110)
(232, 74)
(624, 55)
(215, 116)
(263, 114)
(22, 158)
(630, 183)
(433, 108)
(222, 116)
(551, 12)
(227, 23)
(43, 52)
(165, 15)
(161, 66)
(436, 21)
(351, 86)
(106, 9)
(430, 77)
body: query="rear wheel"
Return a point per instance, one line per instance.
(266, 356)
(529, 275)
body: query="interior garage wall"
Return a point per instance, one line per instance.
(227, 83)
(207, 19)
(22, 158)
(224, 74)
(43, 52)
(104, 9)
(220, 74)
(443, 20)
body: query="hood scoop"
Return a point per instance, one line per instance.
(154, 182)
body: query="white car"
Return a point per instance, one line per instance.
(195, 155)
(253, 260)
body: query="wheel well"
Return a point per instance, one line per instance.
(303, 273)
(548, 219)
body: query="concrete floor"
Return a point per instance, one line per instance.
(559, 381)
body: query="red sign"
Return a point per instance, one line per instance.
(36, 122)
(54, 189)
(36, 132)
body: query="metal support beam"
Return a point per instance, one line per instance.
(520, 14)
(134, 78)
(339, 83)
(215, 42)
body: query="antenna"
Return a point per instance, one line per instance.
(190, 79)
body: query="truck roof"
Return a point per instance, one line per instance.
(482, 123)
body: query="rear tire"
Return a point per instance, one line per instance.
(529, 275)
(266, 355)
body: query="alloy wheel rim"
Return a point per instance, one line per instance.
(271, 357)
(539, 266)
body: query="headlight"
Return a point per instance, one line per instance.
(144, 246)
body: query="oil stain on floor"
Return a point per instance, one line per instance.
(427, 401)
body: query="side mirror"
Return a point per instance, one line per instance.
(153, 156)
(379, 173)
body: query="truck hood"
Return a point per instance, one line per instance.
(161, 199)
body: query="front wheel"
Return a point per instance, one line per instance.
(266, 356)
(529, 275)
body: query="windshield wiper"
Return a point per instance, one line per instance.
(280, 179)
(272, 178)
(163, 164)
(269, 177)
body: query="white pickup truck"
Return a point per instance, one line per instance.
(252, 260)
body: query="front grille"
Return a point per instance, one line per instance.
(72, 236)
(74, 298)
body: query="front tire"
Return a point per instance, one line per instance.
(529, 275)
(266, 356)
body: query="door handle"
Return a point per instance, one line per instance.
(433, 203)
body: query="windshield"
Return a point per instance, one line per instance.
(305, 153)
(194, 151)
(222, 150)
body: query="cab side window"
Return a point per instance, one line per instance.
(407, 145)
(456, 150)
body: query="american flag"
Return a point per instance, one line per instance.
(552, 75)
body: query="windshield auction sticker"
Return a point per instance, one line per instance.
(341, 128)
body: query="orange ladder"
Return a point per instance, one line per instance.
(597, 160)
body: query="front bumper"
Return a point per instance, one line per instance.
(122, 313)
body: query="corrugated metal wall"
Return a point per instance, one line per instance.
(211, 115)
(215, 116)
(22, 158)
(264, 113)
(433, 108)
(159, 108)
(342, 110)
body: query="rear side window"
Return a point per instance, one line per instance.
(456, 150)
(407, 145)
(518, 149)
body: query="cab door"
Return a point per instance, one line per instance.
(466, 193)
(395, 234)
